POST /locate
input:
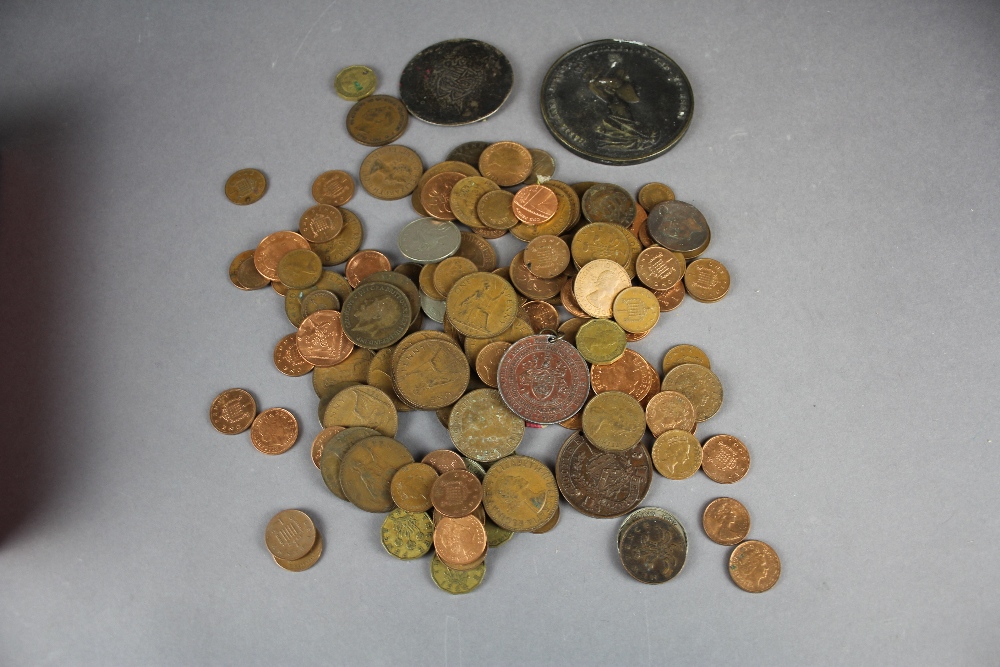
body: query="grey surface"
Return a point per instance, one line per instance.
(846, 155)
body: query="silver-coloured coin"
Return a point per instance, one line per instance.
(432, 308)
(428, 240)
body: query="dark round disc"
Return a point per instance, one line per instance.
(616, 102)
(455, 82)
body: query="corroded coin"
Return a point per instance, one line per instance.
(678, 226)
(543, 380)
(272, 248)
(606, 202)
(390, 172)
(600, 341)
(658, 268)
(468, 152)
(287, 358)
(344, 244)
(726, 521)
(455, 82)
(456, 493)
(429, 240)
(546, 256)
(377, 120)
(362, 405)
(495, 209)
(684, 354)
(616, 102)
(367, 469)
(355, 82)
(290, 534)
(488, 362)
(520, 493)
(407, 535)
(245, 186)
(505, 163)
(481, 305)
(754, 566)
(726, 459)
(599, 483)
(304, 563)
(482, 426)
(636, 309)
(232, 411)
(411, 487)
(376, 315)
(668, 411)
(320, 223)
(333, 188)
(653, 549)
(321, 339)
(597, 285)
(535, 204)
(706, 280)
(431, 374)
(652, 194)
(364, 264)
(333, 455)
(444, 460)
(613, 421)
(699, 384)
(677, 454)
(319, 443)
(454, 581)
(274, 431)
(299, 268)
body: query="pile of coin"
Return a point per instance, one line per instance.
(272, 431)
(293, 540)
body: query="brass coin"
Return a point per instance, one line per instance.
(456, 582)
(299, 268)
(653, 549)
(450, 271)
(319, 443)
(488, 361)
(652, 194)
(505, 163)
(320, 223)
(321, 339)
(530, 285)
(318, 300)
(333, 455)
(426, 281)
(431, 374)
(754, 566)
(706, 280)
(274, 431)
(465, 196)
(677, 454)
(377, 120)
(482, 426)
(367, 469)
(535, 204)
(670, 298)
(600, 341)
(245, 186)
(376, 315)
(636, 309)
(541, 315)
(568, 299)
(270, 251)
(344, 244)
(495, 535)
(457, 493)
(520, 493)
(601, 240)
(444, 460)
(606, 202)
(699, 384)
(333, 188)
(362, 405)
(481, 305)
(668, 411)
(684, 354)
(543, 166)
(495, 209)
(304, 563)
(352, 369)
(391, 172)
(248, 277)
(658, 268)
(478, 250)
(287, 358)
(435, 194)
(232, 411)
(726, 521)
(364, 264)
(546, 256)
(407, 535)
(290, 534)
(613, 421)
(355, 82)
(597, 285)
(726, 459)
(411, 487)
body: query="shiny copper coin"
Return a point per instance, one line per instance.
(534, 204)
(629, 374)
(699, 384)
(319, 443)
(245, 186)
(444, 460)
(543, 379)
(670, 298)
(321, 223)
(287, 358)
(540, 315)
(754, 566)
(658, 268)
(435, 194)
(290, 534)
(726, 459)
(488, 362)
(232, 411)
(304, 563)
(496, 210)
(367, 469)
(684, 354)
(460, 541)
(602, 484)
(270, 251)
(274, 431)
(364, 264)
(726, 521)
(321, 339)
(377, 120)
(333, 188)
(391, 172)
(652, 194)
(411, 487)
(505, 163)
(668, 411)
(706, 280)
(456, 493)
(546, 256)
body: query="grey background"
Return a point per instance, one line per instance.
(846, 155)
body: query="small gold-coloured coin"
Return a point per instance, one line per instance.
(726, 521)
(304, 563)
(505, 163)
(456, 582)
(333, 188)
(636, 309)
(754, 566)
(613, 421)
(520, 493)
(444, 460)
(459, 541)
(344, 244)
(495, 209)
(333, 455)
(411, 487)
(597, 285)
(488, 361)
(535, 204)
(352, 369)
(677, 454)
(319, 443)
(726, 459)
(684, 354)
(658, 268)
(670, 298)
(367, 469)
(299, 268)
(290, 534)
(355, 82)
(287, 358)
(668, 411)
(321, 223)
(391, 172)
(233, 411)
(601, 240)
(546, 256)
(364, 264)
(270, 251)
(362, 405)
(274, 431)
(600, 341)
(465, 197)
(245, 186)
(706, 280)
(321, 340)
(435, 194)
(700, 385)
(652, 194)
(482, 426)
(481, 305)
(530, 285)
(407, 535)
(543, 166)
(377, 120)
(431, 374)
(450, 271)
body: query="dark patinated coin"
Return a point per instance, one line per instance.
(653, 549)
(376, 315)
(616, 102)
(455, 82)
(678, 226)
(602, 484)
(469, 152)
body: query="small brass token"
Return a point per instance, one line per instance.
(495, 209)
(367, 469)
(699, 384)
(333, 188)
(754, 566)
(613, 421)
(636, 309)
(411, 487)
(684, 354)
(287, 358)
(407, 535)
(333, 455)
(355, 82)
(245, 186)
(726, 521)
(321, 223)
(391, 172)
(706, 280)
(505, 163)
(600, 341)
(274, 431)
(481, 305)
(299, 268)
(232, 411)
(652, 194)
(520, 493)
(482, 426)
(677, 454)
(344, 244)
(668, 411)
(377, 120)
(454, 581)
(362, 405)
(290, 534)
(597, 285)
(304, 563)
(726, 459)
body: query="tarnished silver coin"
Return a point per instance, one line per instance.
(429, 240)
(678, 226)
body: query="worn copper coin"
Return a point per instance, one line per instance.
(754, 566)
(367, 469)
(320, 223)
(535, 204)
(270, 251)
(613, 421)
(481, 305)
(488, 362)
(444, 460)
(344, 244)
(726, 521)
(606, 202)
(321, 339)
(678, 226)
(362, 405)
(465, 196)
(482, 426)
(333, 454)
(602, 240)
(699, 384)
(232, 411)
(546, 256)
(630, 374)
(668, 411)
(541, 315)
(317, 300)
(355, 82)
(274, 431)
(352, 369)
(456, 493)
(435, 194)
(599, 483)
(726, 459)
(245, 186)
(247, 277)
(287, 358)
(377, 120)
(304, 563)
(543, 379)
(505, 163)
(407, 535)
(468, 152)
(450, 271)
(531, 285)
(391, 172)
(653, 549)
(376, 315)
(495, 209)
(411, 487)
(520, 493)
(290, 534)
(431, 374)
(706, 280)
(479, 251)
(299, 268)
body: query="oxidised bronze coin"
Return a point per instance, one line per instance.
(602, 484)
(754, 566)
(652, 194)
(725, 459)
(653, 549)
(678, 226)
(391, 172)
(344, 244)
(668, 411)
(377, 120)
(411, 487)
(606, 202)
(726, 521)
(367, 469)
(699, 384)
(304, 563)
(245, 186)
(483, 427)
(677, 454)
(333, 454)
(232, 411)
(482, 305)
(376, 315)
(543, 379)
(468, 152)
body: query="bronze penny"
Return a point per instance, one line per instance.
(344, 244)
(652, 194)
(391, 172)
(319, 443)
(653, 549)
(299, 268)
(444, 460)
(684, 354)
(320, 223)
(270, 251)
(397, 279)
(706, 280)
(352, 369)
(670, 298)
(376, 315)
(546, 256)
(333, 454)
(477, 250)
(431, 374)
(726, 521)
(568, 299)
(602, 240)
(426, 281)
(274, 431)
(520, 493)
(456, 493)
(460, 541)
(668, 411)
(411, 487)
(602, 484)
(234, 269)
(232, 411)
(542, 316)
(699, 384)
(677, 454)
(450, 271)
(367, 469)
(482, 305)
(754, 566)
(364, 264)
(318, 300)
(678, 226)
(628, 374)
(287, 358)
(488, 362)
(248, 277)
(495, 209)
(435, 194)
(290, 534)
(245, 186)
(658, 268)
(531, 285)
(726, 459)
(377, 120)
(505, 163)
(321, 340)
(362, 405)
(609, 203)
(543, 380)
(333, 188)
(535, 204)
(613, 421)
(639, 229)
(465, 196)
(483, 428)
(304, 563)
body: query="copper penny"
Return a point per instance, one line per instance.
(248, 277)
(377, 120)
(726, 521)
(706, 280)
(232, 411)
(488, 362)
(333, 188)
(234, 267)
(367, 469)
(505, 163)
(495, 209)
(450, 271)
(272, 248)
(333, 455)
(669, 411)
(304, 563)
(531, 285)
(754, 566)
(344, 244)
(628, 374)
(411, 487)
(543, 379)
(274, 431)
(602, 484)
(290, 534)
(435, 194)
(364, 264)
(535, 204)
(321, 339)
(319, 443)
(546, 256)
(460, 542)
(321, 223)
(465, 196)
(287, 358)
(391, 172)
(568, 299)
(725, 459)
(444, 460)
(477, 250)
(658, 268)
(670, 298)
(456, 493)
(245, 186)
(542, 316)
(606, 202)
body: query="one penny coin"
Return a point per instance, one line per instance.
(304, 563)
(483, 428)
(535, 204)
(367, 469)
(658, 268)
(613, 421)
(726, 459)
(232, 411)
(754, 566)
(411, 487)
(520, 493)
(290, 534)
(726, 521)
(706, 280)
(391, 172)
(245, 186)
(333, 188)
(506, 163)
(274, 431)
(546, 256)
(444, 460)
(321, 223)
(456, 493)
(287, 358)
(321, 339)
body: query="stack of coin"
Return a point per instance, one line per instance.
(293, 540)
